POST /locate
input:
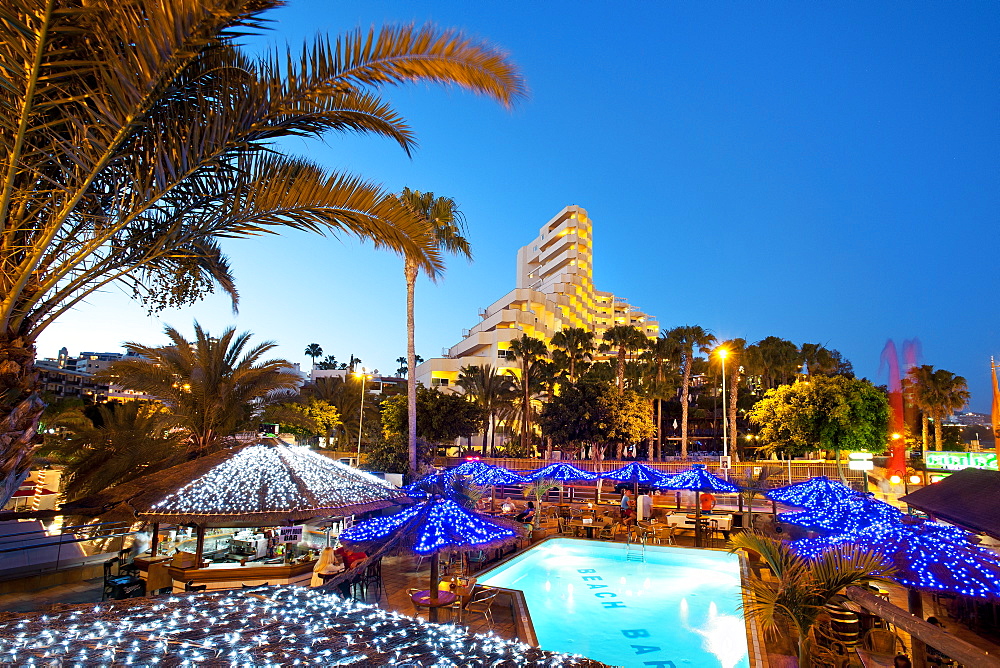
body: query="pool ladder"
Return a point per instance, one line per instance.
(639, 554)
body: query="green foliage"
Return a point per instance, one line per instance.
(214, 386)
(572, 416)
(134, 439)
(802, 588)
(538, 490)
(321, 418)
(441, 418)
(624, 417)
(836, 413)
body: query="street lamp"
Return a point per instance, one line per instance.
(361, 418)
(722, 353)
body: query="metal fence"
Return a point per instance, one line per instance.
(36, 551)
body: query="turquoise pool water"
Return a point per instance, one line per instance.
(679, 607)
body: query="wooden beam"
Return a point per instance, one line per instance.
(931, 635)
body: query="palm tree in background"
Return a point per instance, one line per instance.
(447, 225)
(938, 393)
(134, 136)
(314, 350)
(126, 442)
(528, 351)
(692, 340)
(735, 352)
(662, 352)
(623, 339)
(490, 390)
(404, 367)
(345, 394)
(574, 349)
(775, 360)
(214, 387)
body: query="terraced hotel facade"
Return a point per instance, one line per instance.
(554, 290)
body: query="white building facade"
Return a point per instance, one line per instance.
(554, 290)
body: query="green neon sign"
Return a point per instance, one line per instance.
(956, 461)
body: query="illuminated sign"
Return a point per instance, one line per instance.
(860, 461)
(956, 461)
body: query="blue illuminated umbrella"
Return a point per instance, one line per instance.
(813, 493)
(698, 479)
(471, 467)
(561, 472)
(428, 528)
(845, 517)
(438, 482)
(635, 472)
(497, 475)
(925, 555)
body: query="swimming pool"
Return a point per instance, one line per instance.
(677, 608)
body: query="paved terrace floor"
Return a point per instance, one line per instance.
(401, 573)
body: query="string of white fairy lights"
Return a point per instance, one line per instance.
(259, 479)
(271, 626)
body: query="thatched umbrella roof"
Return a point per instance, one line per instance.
(259, 484)
(813, 493)
(265, 626)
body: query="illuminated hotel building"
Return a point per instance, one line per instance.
(554, 290)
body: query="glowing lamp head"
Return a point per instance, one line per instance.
(896, 436)
(915, 480)
(722, 353)
(895, 479)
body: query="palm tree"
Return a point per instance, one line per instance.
(135, 136)
(126, 442)
(345, 394)
(491, 391)
(735, 352)
(528, 351)
(662, 351)
(575, 346)
(314, 350)
(403, 367)
(802, 588)
(214, 387)
(775, 360)
(938, 393)
(691, 340)
(447, 226)
(623, 339)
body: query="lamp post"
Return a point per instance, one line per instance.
(722, 352)
(361, 416)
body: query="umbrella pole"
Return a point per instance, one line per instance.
(493, 497)
(199, 545)
(434, 588)
(918, 648)
(697, 518)
(155, 543)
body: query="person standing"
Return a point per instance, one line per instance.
(626, 506)
(644, 506)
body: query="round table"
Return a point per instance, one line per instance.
(423, 598)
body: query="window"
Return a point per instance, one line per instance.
(439, 382)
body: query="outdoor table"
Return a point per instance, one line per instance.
(589, 526)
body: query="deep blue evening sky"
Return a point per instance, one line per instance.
(822, 172)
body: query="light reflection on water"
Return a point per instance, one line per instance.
(687, 603)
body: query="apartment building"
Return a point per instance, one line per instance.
(554, 289)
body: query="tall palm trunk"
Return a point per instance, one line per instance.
(685, 390)
(923, 424)
(20, 412)
(937, 431)
(734, 383)
(621, 370)
(659, 428)
(410, 270)
(526, 420)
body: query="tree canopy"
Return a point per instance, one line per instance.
(825, 413)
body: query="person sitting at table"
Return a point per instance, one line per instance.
(901, 661)
(327, 564)
(707, 502)
(527, 515)
(508, 507)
